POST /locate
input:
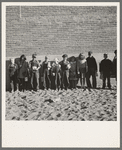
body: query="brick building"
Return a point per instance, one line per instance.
(60, 29)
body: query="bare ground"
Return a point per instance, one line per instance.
(79, 105)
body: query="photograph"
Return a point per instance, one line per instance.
(60, 67)
(61, 63)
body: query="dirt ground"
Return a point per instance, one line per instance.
(77, 105)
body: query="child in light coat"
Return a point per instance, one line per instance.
(82, 68)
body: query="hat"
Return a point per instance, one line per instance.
(65, 55)
(81, 56)
(34, 55)
(115, 51)
(23, 56)
(46, 57)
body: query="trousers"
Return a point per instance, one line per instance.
(36, 76)
(91, 72)
(106, 76)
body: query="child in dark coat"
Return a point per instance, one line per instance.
(13, 74)
(73, 73)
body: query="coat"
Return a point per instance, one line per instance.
(22, 69)
(73, 71)
(106, 66)
(65, 66)
(55, 75)
(46, 74)
(91, 62)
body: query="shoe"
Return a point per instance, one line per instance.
(89, 89)
(84, 88)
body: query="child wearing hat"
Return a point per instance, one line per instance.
(22, 72)
(82, 69)
(65, 66)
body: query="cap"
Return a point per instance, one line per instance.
(115, 51)
(65, 55)
(34, 55)
(81, 56)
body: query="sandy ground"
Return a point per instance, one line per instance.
(97, 105)
(79, 105)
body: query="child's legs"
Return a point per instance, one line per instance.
(20, 84)
(71, 84)
(83, 79)
(23, 84)
(75, 83)
(32, 78)
(12, 85)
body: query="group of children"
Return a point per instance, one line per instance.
(59, 75)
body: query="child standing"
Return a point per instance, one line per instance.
(82, 69)
(65, 66)
(73, 73)
(55, 75)
(12, 74)
(46, 74)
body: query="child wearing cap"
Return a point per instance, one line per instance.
(92, 71)
(34, 71)
(55, 75)
(82, 69)
(65, 66)
(46, 66)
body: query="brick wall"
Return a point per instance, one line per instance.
(60, 29)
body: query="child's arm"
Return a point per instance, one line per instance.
(77, 66)
(86, 67)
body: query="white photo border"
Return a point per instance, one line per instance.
(59, 133)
